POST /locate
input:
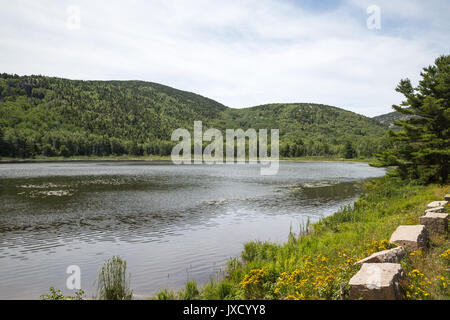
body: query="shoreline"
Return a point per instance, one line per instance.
(327, 252)
(159, 158)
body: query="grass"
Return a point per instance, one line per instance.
(318, 264)
(190, 292)
(112, 280)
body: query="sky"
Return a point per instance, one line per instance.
(350, 54)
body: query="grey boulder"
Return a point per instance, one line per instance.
(435, 221)
(377, 281)
(391, 255)
(410, 237)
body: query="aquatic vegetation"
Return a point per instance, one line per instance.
(113, 281)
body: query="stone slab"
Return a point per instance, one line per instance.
(410, 237)
(377, 281)
(435, 209)
(391, 255)
(437, 204)
(435, 221)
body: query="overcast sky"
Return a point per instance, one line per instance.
(240, 53)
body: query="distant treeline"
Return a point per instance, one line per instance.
(45, 116)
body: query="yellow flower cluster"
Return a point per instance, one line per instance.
(317, 278)
(297, 296)
(377, 246)
(411, 220)
(445, 255)
(254, 277)
(416, 253)
(443, 282)
(321, 277)
(419, 285)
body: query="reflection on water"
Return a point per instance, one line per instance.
(171, 223)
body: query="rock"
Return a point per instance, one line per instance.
(377, 281)
(391, 255)
(447, 197)
(410, 237)
(435, 209)
(435, 221)
(437, 204)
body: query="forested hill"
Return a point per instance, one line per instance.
(52, 116)
(42, 114)
(389, 118)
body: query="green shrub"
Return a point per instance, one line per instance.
(191, 291)
(165, 295)
(58, 295)
(218, 291)
(224, 290)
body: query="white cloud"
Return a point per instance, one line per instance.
(240, 53)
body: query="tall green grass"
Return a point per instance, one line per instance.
(113, 283)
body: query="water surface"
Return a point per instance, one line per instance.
(171, 223)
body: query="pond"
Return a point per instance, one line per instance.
(171, 223)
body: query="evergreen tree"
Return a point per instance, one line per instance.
(348, 150)
(64, 151)
(422, 147)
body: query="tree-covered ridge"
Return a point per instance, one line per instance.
(308, 129)
(41, 114)
(388, 119)
(52, 116)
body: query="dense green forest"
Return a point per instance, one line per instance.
(314, 129)
(46, 116)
